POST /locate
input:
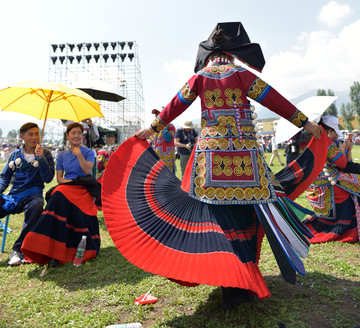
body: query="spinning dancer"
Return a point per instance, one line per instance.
(209, 229)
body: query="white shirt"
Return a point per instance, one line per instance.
(28, 157)
(273, 143)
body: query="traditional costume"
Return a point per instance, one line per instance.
(102, 158)
(209, 229)
(334, 196)
(27, 178)
(163, 144)
(69, 214)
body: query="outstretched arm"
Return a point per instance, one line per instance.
(314, 129)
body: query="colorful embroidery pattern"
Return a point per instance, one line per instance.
(213, 98)
(164, 149)
(321, 200)
(349, 182)
(220, 72)
(185, 95)
(233, 96)
(228, 169)
(299, 119)
(258, 90)
(157, 125)
(228, 166)
(167, 158)
(334, 153)
(321, 195)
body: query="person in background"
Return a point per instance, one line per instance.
(102, 157)
(335, 195)
(91, 133)
(275, 151)
(163, 143)
(296, 145)
(185, 140)
(261, 143)
(70, 212)
(27, 169)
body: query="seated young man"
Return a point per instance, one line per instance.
(27, 168)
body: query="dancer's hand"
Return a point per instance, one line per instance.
(314, 129)
(143, 133)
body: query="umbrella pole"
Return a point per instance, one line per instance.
(46, 113)
(42, 131)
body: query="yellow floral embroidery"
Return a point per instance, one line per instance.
(213, 98)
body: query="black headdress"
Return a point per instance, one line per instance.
(236, 43)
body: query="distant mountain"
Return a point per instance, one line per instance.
(344, 98)
(264, 113)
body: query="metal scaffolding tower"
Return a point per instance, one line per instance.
(117, 64)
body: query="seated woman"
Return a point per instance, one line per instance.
(334, 195)
(70, 212)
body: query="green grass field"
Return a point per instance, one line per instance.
(101, 292)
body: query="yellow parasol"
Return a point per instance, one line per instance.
(44, 100)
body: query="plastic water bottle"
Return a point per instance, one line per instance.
(80, 252)
(126, 325)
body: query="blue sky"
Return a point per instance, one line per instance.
(306, 44)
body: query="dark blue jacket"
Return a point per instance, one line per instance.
(186, 137)
(26, 176)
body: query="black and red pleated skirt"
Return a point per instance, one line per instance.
(342, 228)
(69, 214)
(158, 227)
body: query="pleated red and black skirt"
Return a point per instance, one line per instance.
(158, 227)
(69, 214)
(341, 228)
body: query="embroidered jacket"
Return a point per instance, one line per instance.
(163, 144)
(228, 165)
(332, 186)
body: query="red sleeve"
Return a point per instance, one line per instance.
(260, 91)
(336, 156)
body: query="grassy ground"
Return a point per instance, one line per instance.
(101, 292)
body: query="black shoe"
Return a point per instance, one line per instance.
(53, 263)
(232, 297)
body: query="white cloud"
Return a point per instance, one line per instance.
(181, 70)
(321, 60)
(177, 72)
(318, 60)
(333, 13)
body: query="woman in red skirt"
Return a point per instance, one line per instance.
(71, 211)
